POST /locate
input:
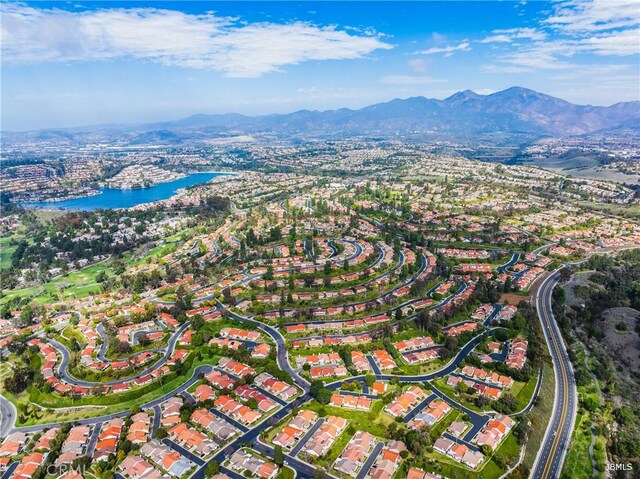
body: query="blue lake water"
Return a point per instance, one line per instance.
(110, 198)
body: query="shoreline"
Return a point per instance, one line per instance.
(35, 205)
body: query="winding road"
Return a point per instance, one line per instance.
(557, 438)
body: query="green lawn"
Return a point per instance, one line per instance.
(374, 422)
(540, 414)
(285, 473)
(523, 392)
(6, 249)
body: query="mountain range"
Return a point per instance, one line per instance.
(513, 115)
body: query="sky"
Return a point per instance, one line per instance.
(74, 63)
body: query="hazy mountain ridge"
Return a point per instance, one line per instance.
(515, 113)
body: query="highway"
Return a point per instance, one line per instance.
(557, 438)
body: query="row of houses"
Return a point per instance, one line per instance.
(235, 368)
(355, 453)
(236, 333)
(480, 388)
(517, 355)
(191, 439)
(487, 376)
(75, 445)
(430, 415)
(494, 431)
(236, 410)
(459, 452)
(321, 359)
(383, 359)
(458, 329)
(388, 461)
(422, 356)
(331, 341)
(166, 458)
(324, 437)
(135, 467)
(108, 439)
(464, 253)
(419, 342)
(275, 386)
(401, 405)
(244, 461)
(524, 281)
(295, 429)
(360, 362)
(213, 424)
(351, 401)
(139, 429)
(319, 372)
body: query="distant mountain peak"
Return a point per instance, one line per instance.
(461, 97)
(514, 113)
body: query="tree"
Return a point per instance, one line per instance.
(17, 383)
(144, 340)
(17, 347)
(369, 379)
(319, 392)
(278, 455)
(327, 268)
(320, 473)
(212, 469)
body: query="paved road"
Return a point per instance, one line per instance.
(374, 366)
(157, 417)
(282, 354)
(407, 282)
(448, 368)
(303, 440)
(94, 439)
(551, 454)
(370, 460)
(411, 414)
(8, 415)
(202, 369)
(188, 454)
(63, 372)
(251, 436)
(504, 267)
(239, 426)
(10, 469)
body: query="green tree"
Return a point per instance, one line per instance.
(278, 455)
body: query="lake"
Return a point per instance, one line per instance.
(114, 198)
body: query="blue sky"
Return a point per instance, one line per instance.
(78, 63)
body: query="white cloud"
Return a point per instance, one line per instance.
(601, 28)
(409, 80)
(510, 34)
(448, 50)
(418, 65)
(31, 35)
(579, 16)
